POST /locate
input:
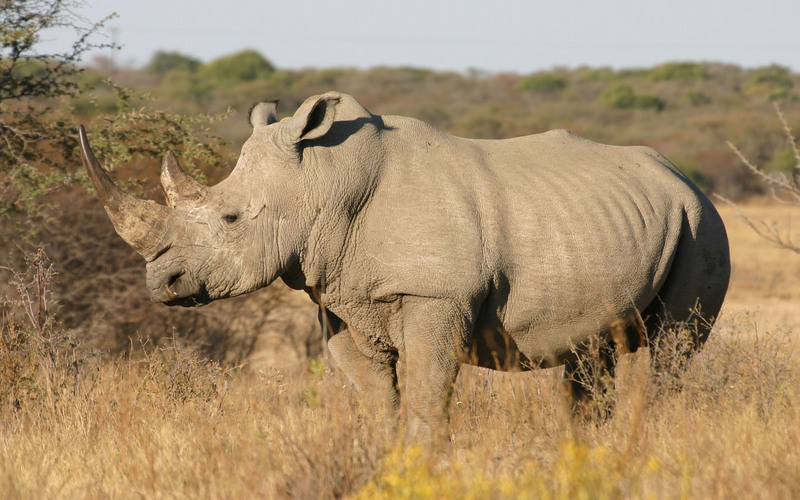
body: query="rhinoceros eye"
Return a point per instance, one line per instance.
(230, 218)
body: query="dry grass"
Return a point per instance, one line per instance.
(764, 278)
(164, 424)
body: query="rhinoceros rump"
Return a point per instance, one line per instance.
(433, 249)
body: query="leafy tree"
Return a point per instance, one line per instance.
(544, 82)
(622, 96)
(774, 81)
(35, 142)
(678, 71)
(243, 66)
(696, 98)
(164, 62)
(783, 161)
(598, 75)
(38, 152)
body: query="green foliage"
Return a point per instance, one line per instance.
(696, 116)
(28, 73)
(622, 96)
(696, 98)
(598, 75)
(418, 75)
(783, 161)
(774, 82)
(311, 81)
(610, 75)
(163, 62)
(695, 174)
(619, 96)
(180, 86)
(244, 66)
(90, 79)
(39, 154)
(678, 71)
(37, 147)
(147, 132)
(543, 82)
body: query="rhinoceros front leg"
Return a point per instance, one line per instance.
(372, 373)
(434, 334)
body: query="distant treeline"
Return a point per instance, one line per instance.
(687, 110)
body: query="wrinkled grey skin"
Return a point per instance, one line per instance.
(436, 250)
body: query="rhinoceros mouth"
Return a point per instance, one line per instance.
(198, 299)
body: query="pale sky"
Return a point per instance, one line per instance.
(495, 35)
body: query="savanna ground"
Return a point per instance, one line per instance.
(161, 423)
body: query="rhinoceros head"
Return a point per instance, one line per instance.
(232, 238)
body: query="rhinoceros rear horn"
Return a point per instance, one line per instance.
(141, 223)
(179, 187)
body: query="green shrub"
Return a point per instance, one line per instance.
(696, 98)
(243, 66)
(164, 62)
(182, 86)
(598, 75)
(783, 161)
(622, 96)
(678, 71)
(610, 75)
(692, 167)
(774, 81)
(314, 81)
(38, 143)
(543, 82)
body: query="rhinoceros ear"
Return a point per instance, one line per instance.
(314, 118)
(263, 113)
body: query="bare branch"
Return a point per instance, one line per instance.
(785, 189)
(769, 231)
(788, 131)
(780, 181)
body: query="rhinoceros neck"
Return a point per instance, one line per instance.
(345, 180)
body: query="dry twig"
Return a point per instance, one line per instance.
(785, 189)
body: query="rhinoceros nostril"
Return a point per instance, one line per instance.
(172, 279)
(167, 287)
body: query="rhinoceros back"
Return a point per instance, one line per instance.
(583, 234)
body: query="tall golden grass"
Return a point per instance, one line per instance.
(166, 424)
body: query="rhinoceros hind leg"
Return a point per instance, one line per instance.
(589, 380)
(697, 282)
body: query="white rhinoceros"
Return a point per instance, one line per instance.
(432, 249)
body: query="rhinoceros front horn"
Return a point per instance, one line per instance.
(179, 187)
(141, 223)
